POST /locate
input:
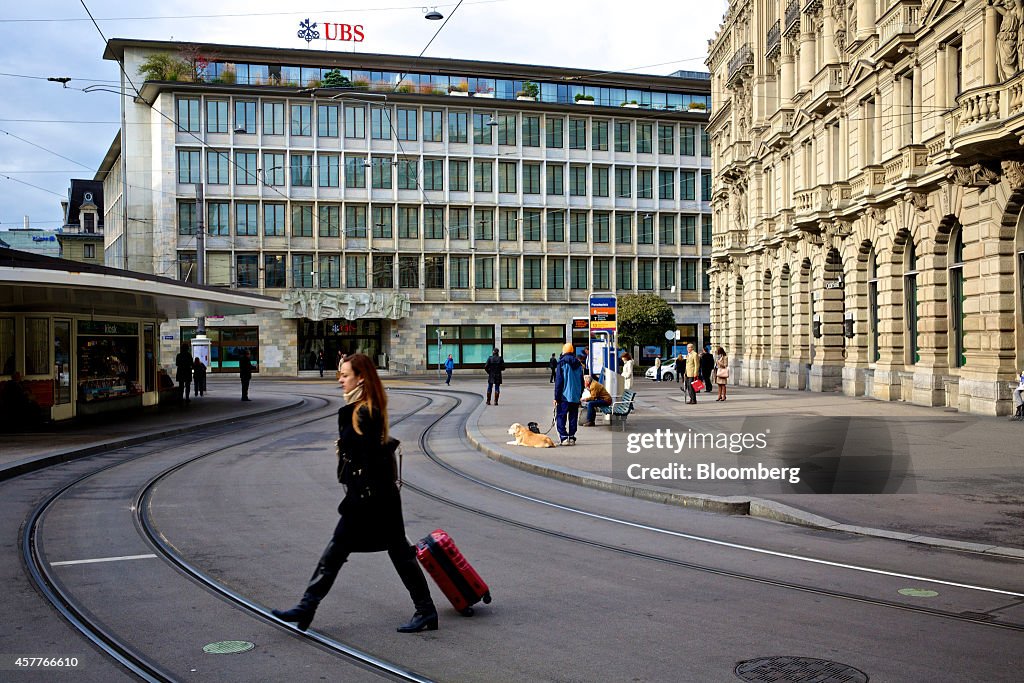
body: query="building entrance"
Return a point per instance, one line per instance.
(333, 335)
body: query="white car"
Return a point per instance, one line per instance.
(668, 373)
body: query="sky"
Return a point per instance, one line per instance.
(50, 134)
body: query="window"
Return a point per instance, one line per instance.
(667, 229)
(433, 125)
(687, 179)
(245, 116)
(380, 123)
(407, 174)
(509, 272)
(355, 220)
(556, 226)
(433, 223)
(246, 170)
(90, 250)
(188, 114)
(645, 234)
(327, 120)
(667, 184)
(645, 183)
(355, 172)
(218, 218)
(706, 277)
(302, 270)
(705, 186)
(957, 298)
(667, 273)
(531, 131)
(532, 266)
(623, 275)
(302, 170)
(578, 226)
(910, 301)
(273, 118)
(602, 274)
(458, 175)
(216, 116)
(469, 345)
(458, 126)
(328, 220)
(483, 176)
(623, 228)
(705, 143)
(577, 133)
(578, 273)
(599, 136)
(186, 218)
(273, 220)
(407, 129)
(383, 271)
(506, 129)
(688, 230)
(458, 223)
(623, 135)
(556, 272)
(509, 225)
(483, 229)
(689, 279)
(187, 266)
(482, 129)
(409, 272)
(247, 219)
(644, 135)
(330, 271)
(506, 176)
(433, 271)
(531, 178)
(705, 229)
(433, 174)
(355, 270)
(328, 169)
(273, 169)
(458, 272)
(382, 221)
(247, 270)
(302, 220)
(555, 179)
(577, 180)
(531, 225)
(355, 121)
(666, 138)
(189, 168)
(687, 139)
(380, 173)
(302, 119)
(601, 222)
(274, 270)
(218, 167)
(554, 132)
(623, 181)
(484, 272)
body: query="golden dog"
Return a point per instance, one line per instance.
(524, 437)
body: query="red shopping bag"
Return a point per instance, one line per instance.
(697, 385)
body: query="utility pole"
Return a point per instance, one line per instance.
(201, 344)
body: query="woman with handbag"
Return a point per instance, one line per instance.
(721, 372)
(371, 512)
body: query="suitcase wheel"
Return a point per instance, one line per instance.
(487, 598)
(468, 612)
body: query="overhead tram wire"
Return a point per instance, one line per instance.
(29, 142)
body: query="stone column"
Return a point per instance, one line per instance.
(865, 18)
(916, 102)
(990, 49)
(831, 53)
(941, 96)
(887, 384)
(800, 331)
(806, 55)
(877, 122)
(855, 290)
(827, 369)
(932, 326)
(787, 63)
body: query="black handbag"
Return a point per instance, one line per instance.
(359, 479)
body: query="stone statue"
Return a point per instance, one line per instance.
(314, 305)
(1008, 41)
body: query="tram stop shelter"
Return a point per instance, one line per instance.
(83, 337)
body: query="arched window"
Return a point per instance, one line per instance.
(874, 353)
(913, 354)
(956, 298)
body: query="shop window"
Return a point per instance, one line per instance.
(531, 345)
(7, 345)
(469, 345)
(108, 360)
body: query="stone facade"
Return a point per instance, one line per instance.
(867, 198)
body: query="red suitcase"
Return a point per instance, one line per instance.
(457, 579)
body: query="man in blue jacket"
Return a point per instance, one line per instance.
(449, 365)
(568, 390)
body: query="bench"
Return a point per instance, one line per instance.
(619, 410)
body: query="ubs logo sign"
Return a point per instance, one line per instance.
(332, 31)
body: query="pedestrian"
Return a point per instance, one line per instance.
(245, 374)
(552, 364)
(692, 372)
(585, 361)
(183, 363)
(707, 367)
(494, 367)
(721, 372)
(337, 367)
(371, 512)
(568, 390)
(679, 366)
(320, 363)
(199, 377)
(657, 368)
(449, 365)
(627, 371)
(599, 398)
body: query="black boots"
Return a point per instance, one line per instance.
(488, 398)
(425, 619)
(302, 614)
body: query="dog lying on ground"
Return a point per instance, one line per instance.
(524, 437)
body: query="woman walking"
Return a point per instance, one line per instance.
(721, 372)
(371, 512)
(627, 371)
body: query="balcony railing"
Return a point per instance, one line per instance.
(905, 19)
(792, 18)
(774, 40)
(79, 230)
(989, 104)
(742, 58)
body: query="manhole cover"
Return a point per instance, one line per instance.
(798, 670)
(228, 647)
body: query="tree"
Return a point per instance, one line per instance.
(335, 79)
(163, 66)
(643, 319)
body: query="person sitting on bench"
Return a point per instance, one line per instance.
(599, 398)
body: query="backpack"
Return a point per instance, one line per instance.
(572, 383)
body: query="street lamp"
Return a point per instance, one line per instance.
(433, 15)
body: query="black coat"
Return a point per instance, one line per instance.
(372, 508)
(183, 361)
(494, 366)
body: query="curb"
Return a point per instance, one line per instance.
(40, 462)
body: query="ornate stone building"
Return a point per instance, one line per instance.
(868, 187)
